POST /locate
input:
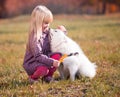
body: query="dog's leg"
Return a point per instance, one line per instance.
(66, 74)
(72, 76)
(73, 71)
(61, 72)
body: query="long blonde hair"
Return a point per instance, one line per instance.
(39, 15)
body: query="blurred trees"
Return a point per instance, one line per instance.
(105, 6)
(10, 8)
(2, 8)
(105, 2)
(64, 6)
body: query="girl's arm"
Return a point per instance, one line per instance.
(40, 57)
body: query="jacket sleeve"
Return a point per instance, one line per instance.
(39, 56)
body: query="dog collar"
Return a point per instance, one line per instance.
(65, 55)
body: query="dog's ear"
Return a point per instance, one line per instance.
(62, 28)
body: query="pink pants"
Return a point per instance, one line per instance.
(44, 71)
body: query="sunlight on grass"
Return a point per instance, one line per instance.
(98, 36)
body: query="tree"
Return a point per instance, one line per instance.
(104, 2)
(2, 8)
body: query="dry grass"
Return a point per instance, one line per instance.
(98, 36)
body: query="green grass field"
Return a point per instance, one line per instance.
(98, 36)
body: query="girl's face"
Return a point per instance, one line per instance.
(45, 26)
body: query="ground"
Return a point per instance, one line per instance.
(98, 36)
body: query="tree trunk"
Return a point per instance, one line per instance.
(2, 9)
(104, 7)
(97, 7)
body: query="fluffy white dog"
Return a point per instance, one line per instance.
(76, 63)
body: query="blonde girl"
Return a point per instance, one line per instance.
(37, 63)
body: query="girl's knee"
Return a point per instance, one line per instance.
(43, 70)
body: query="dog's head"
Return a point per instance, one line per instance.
(56, 37)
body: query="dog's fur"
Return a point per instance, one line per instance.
(72, 65)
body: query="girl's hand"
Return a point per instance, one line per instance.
(56, 63)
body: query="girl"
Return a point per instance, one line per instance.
(37, 63)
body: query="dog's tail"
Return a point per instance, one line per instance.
(88, 70)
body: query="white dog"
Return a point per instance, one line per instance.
(76, 62)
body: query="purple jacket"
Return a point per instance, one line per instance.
(39, 57)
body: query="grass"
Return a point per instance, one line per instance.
(98, 36)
